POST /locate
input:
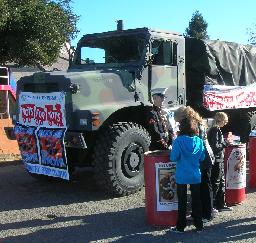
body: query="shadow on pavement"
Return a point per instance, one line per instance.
(125, 226)
(17, 187)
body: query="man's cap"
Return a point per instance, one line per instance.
(159, 91)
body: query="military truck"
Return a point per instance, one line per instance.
(108, 87)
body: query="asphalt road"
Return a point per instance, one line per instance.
(34, 211)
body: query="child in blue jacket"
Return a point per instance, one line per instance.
(188, 151)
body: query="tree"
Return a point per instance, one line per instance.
(33, 31)
(252, 35)
(197, 27)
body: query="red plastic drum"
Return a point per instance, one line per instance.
(235, 173)
(161, 201)
(252, 162)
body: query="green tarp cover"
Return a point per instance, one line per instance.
(220, 62)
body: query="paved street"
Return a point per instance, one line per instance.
(33, 211)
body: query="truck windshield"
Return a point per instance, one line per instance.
(115, 49)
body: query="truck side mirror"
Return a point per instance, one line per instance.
(71, 53)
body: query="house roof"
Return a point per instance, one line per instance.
(61, 64)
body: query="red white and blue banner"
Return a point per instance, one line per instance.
(221, 97)
(40, 133)
(42, 109)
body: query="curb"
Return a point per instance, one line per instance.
(10, 163)
(10, 159)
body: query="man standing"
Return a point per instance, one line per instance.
(158, 122)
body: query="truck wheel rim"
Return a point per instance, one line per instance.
(132, 160)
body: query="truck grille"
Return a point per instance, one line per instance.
(41, 87)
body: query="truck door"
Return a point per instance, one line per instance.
(165, 71)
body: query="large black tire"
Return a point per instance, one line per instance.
(247, 123)
(244, 126)
(118, 158)
(239, 124)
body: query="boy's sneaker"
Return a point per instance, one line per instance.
(225, 208)
(175, 230)
(214, 211)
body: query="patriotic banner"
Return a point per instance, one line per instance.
(42, 109)
(27, 142)
(52, 147)
(40, 133)
(221, 97)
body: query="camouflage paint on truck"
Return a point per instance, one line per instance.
(107, 100)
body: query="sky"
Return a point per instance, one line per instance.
(227, 20)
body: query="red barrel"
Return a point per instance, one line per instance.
(161, 201)
(235, 173)
(252, 161)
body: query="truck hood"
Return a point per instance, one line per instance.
(86, 92)
(61, 81)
